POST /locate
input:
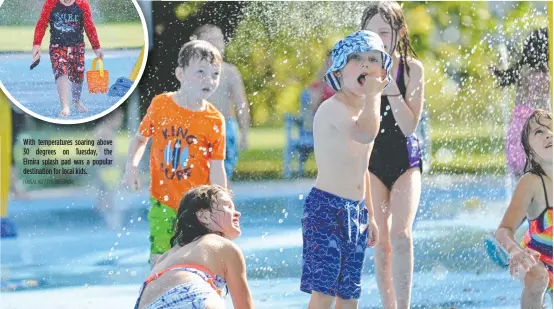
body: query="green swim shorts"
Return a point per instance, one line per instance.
(161, 219)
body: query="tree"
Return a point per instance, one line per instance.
(279, 48)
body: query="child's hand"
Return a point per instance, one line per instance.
(36, 52)
(131, 179)
(99, 53)
(373, 233)
(392, 89)
(524, 259)
(374, 85)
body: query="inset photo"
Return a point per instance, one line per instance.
(71, 61)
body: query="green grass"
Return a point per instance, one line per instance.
(475, 148)
(471, 148)
(111, 36)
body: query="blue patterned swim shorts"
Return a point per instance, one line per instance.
(335, 235)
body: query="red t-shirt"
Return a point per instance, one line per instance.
(67, 24)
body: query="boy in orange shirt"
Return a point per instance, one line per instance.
(188, 141)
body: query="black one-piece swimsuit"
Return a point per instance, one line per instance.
(393, 153)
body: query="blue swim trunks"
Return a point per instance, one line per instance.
(334, 231)
(231, 146)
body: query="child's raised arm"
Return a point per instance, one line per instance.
(364, 128)
(515, 213)
(235, 275)
(408, 112)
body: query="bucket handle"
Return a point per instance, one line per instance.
(100, 64)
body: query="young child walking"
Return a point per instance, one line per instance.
(230, 99)
(338, 223)
(532, 199)
(395, 165)
(203, 263)
(67, 20)
(188, 141)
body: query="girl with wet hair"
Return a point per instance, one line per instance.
(203, 260)
(398, 40)
(395, 165)
(531, 260)
(532, 79)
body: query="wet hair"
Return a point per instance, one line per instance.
(200, 50)
(535, 55)
(530, 164)
(187, 226)
(204, 29)
(392, 13)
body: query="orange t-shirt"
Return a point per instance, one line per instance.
(183, 143)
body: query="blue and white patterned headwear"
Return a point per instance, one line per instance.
(358, 42)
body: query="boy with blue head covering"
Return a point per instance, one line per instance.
(338, 222)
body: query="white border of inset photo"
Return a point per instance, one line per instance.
(114, 106)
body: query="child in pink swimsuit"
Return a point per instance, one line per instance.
(203, 264)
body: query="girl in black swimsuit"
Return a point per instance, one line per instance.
(395, 164)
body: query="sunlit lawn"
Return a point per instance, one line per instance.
(111, 36)
(474, 150)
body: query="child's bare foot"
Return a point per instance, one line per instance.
(80, 107)
(64, 113)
